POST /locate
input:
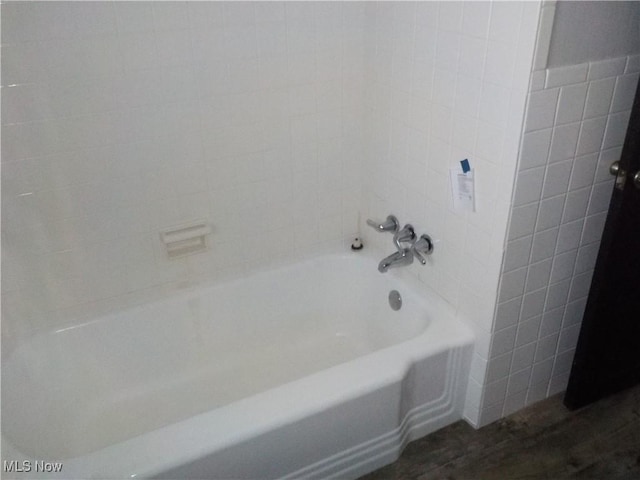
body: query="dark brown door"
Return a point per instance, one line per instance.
(607, 357)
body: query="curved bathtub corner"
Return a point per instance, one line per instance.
(366, 422)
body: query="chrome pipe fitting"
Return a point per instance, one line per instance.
(417, 247)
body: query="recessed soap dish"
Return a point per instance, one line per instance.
(185, 240)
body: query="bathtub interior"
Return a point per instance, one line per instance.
(83, 388)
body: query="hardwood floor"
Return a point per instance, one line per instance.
(544, 441)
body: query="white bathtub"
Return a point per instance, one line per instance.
(304, 371)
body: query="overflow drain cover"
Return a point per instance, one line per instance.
(395, 300)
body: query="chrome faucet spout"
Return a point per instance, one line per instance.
(396, 259)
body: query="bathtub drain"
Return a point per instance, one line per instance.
(395, 300)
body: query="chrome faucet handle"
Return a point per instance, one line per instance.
(422, 246)
(407, 234)
(391, 224)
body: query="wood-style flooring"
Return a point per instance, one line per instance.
(544, 441)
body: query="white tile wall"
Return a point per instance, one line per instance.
(121, 119)
(574, 130)
(450, 82)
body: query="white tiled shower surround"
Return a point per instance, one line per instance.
(285, 125)
(575, 127)
(123, 119)
(448, 81)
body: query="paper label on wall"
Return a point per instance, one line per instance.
(463, 190)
